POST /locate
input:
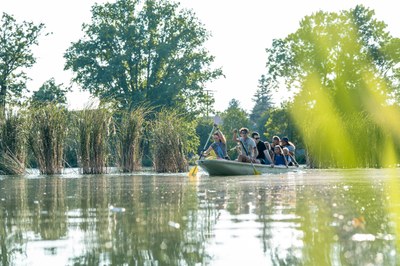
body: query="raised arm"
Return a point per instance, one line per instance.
(234, 137)
(221, 136)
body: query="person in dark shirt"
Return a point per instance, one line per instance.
(263, 151)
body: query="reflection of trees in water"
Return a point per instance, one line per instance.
(313, 223)
(52, 222)
(330, 215)
(273, 205)
(333, 214)
(32, 209)
(280, 235)
(13, 212)
(162, 221)
(169, 221)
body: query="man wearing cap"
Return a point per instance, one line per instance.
(249, 148)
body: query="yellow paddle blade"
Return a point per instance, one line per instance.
(193, 171)
(256, 172)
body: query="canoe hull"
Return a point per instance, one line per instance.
(228, 168)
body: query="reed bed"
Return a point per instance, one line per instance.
(93, 132)
(360, 143)
(130, 130)
(47, 133)
(12, 144)
(172, 137)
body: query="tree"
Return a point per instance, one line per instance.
(234, 117)
(280, 123)
(144, 51)
(340, 49)
(344, 68)
(263, 102)
(50, 92)
(16, 41)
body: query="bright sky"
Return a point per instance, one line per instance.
(240, 34)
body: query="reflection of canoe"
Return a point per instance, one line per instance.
(226, 167)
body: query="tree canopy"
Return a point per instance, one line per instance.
(16, 41)
(263, 102)
(344, 51)
(143, 51)
(50, 92)
(344, 70)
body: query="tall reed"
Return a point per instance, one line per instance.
(93, 132)
(47, 134)
(172, 138)
(366, 149)
(12, 143)
(130, 130)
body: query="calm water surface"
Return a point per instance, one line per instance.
(309, 217)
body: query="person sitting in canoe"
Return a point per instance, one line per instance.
(219, 146)
(275, 141)
(288, 156)
(249, 148)
(288, 144)
(278, 157)
(263, 149)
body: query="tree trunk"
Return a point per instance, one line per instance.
(3, 93)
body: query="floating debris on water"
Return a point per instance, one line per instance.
(363, 237)
(163, 245)
(116, 209)
(174, 225)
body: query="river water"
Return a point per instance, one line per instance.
(307, 217)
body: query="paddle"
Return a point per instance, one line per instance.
(247, 154)
(294, 160)
(194, 170)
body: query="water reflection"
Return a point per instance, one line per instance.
(302, 218)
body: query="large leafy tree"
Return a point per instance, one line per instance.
(143, 51)
(340, 50)
(345, 69)
(16, 41)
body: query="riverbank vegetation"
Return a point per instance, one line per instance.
(341, 70)
(344, 68)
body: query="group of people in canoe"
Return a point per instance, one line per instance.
(253, 150)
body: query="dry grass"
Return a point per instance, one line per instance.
(130, 137)
(47, 134)
(171, 138)
(93, 127)
(12, 144)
